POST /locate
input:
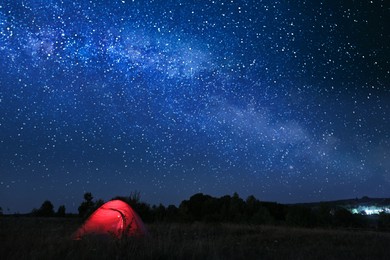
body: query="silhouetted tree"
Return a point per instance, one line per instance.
(135, 197)
(205, 208)
(251, 205)
(211, 210)
(236, 208)
(193, 209)
(159, 213)
(255, 213)
(1, 211)
(184, 211)
(87, 206)
(144, 211)
(224, 206)
(134, 200)
(61, 211)
(98, 203)
(172, 214)
(88, 197)
(46, 210)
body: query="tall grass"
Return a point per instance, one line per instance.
(39, 238)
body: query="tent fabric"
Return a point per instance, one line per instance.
(114, 218)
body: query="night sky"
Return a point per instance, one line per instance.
(286, 100)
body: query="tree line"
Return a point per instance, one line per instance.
(227, 209)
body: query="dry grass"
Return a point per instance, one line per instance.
(34, 238)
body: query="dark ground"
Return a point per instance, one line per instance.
(50, 238)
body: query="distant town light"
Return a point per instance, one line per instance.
(370, 210)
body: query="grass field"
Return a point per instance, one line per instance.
(50, 238)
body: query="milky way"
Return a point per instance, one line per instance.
(285, 100)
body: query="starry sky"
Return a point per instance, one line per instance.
(286, 100)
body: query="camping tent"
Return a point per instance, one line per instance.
(114, 218)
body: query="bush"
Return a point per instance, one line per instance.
(61, 211)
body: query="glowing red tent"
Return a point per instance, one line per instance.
(114, 218)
